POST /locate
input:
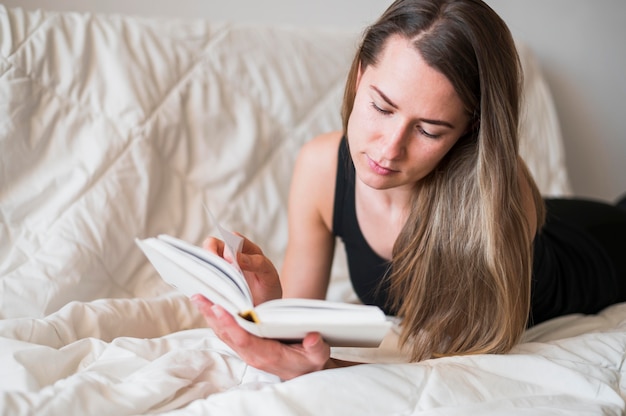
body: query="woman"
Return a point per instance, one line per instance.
(425, 186)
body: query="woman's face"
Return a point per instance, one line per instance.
(406, 116)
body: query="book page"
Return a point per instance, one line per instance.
(190, 275)
(228, 271)
(233, 243)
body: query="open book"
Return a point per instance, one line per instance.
(194, 270)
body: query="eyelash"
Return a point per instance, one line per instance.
(380, 110)
(386, 113)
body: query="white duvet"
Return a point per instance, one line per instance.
(115, 127)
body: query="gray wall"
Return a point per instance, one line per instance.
(579, 43)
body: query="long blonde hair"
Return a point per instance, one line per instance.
(461, 267)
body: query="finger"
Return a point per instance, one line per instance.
(222, 323)
(203, 304)
(315, 348)
(228, 330)
(248, 246)
(256, 263)
(217, 247)
(214, 245)
(311, 340)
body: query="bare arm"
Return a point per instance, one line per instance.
(306, 269)
(309, 255)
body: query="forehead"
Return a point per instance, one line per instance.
(404, 76)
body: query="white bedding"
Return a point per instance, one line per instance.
(115, 127)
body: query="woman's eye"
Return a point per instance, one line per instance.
(380, 110)
(427, 134)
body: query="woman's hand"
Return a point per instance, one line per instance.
(258, 270)
(284, 360)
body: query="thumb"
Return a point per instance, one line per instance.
(315, 347)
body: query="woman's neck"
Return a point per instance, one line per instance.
(381, 214)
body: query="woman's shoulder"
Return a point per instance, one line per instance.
(314, 175)
(318, 157)
(325, 145)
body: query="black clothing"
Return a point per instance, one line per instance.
(579, 261)
(366, 267)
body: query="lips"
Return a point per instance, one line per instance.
(379, 169)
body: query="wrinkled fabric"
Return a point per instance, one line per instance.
(114, 128)
(76, 362)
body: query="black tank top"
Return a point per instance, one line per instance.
(579, 256)
(367, 269)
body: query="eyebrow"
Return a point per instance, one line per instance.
(424, 120)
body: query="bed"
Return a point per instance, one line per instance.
(117, 127)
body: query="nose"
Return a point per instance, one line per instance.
(393, 144)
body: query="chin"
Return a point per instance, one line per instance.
(377, 182)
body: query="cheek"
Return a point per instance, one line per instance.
(356, 122)
(428, 155)
(362, 122)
